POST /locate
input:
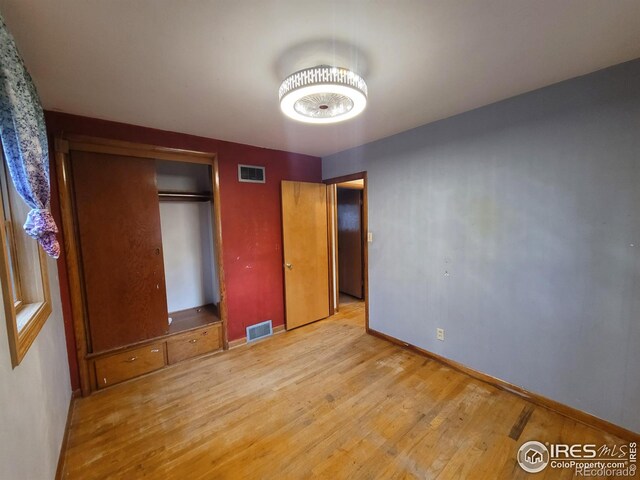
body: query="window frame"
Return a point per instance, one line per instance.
(17, 312)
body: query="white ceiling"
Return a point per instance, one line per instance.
(213, 68)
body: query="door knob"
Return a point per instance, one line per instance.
(289, 266)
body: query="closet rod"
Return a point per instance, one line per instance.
(186, 196)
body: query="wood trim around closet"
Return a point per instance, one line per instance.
(217, 222)
(63, 145)
(72, 257)
(83, 143)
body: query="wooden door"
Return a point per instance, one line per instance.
(118, 221)
(306, 258)
(350, 271)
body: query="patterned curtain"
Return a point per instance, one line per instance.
(24, 140)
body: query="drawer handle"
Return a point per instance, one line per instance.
(155, 350)
(193, 341)
(132, 359)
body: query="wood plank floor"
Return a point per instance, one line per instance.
(322, 401)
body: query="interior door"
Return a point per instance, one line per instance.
(118, 218)
(350, 271)
(306, 257)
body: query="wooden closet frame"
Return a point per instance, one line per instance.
(67, 142)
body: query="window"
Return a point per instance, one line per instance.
(23, 269)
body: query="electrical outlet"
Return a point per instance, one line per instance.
(440, 334)
(369, 237)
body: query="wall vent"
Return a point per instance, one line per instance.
(251, 174)
(259, 330)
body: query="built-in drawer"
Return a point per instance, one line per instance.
(194, 343)
(132, 363)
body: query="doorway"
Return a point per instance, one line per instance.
(348, 232)
(325, 257)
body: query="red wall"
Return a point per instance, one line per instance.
(251, 219)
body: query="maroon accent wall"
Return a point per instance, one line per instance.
(251, 218)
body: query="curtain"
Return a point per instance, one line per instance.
(24, 140)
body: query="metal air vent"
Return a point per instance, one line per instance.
(259, 330)
(251, 174)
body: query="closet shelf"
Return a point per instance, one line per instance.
(193, 318)
(171, 196)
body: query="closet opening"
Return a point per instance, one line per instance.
(185, 192)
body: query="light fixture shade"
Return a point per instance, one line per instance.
(323, 94)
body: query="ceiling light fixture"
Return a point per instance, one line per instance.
(323, 94)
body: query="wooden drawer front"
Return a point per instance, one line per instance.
(192, 344)
(123, 366)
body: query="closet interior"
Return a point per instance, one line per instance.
(186, 218)
(142, 242)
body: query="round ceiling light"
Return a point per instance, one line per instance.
(323, 94)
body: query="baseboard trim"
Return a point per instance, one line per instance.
(238, 342)
(565, 410)
(65, 438)
(242, 341)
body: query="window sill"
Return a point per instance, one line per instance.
(30, 321)
(26, 313)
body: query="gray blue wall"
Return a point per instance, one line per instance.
(516, 228)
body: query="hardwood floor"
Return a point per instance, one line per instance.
(322, 401)
(345, 299)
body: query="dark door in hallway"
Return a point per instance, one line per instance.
(350, 238)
